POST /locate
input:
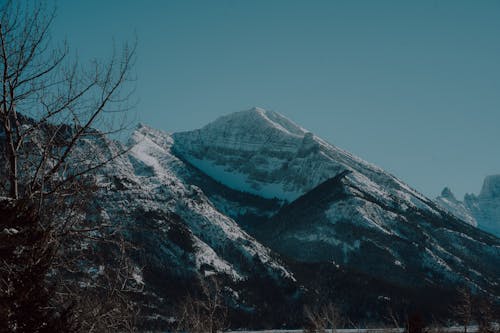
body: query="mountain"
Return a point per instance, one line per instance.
(181, 235)
(486, 206)
(449, 202)
(284, 219)
(335, 206)
(482, 210)
(263, 153)
(254, 197)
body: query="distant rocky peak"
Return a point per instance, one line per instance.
(448, 194)
(146, 135)
(141, 126)
(481, 210)
(491, 187)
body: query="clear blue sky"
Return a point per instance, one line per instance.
(413, 86)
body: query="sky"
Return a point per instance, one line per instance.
(412, 86)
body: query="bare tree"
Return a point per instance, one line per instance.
(26, 252)
(89, 297)
(40, 81)
(206, 313)
(485, 316)
(102, 298)
(394, 318)
(324, 318)
(464, 309)
(50, 107)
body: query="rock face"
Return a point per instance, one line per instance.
(482, 210)
(486, 207)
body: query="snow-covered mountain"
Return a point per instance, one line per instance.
(337, 207)
(265, 188)
(286, 219)
(450, 203)
(481, 210)
(180, 233)
(263, 153)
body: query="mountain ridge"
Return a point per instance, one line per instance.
(375, 203)
(339, 227)
(482, 210)
(306, 161)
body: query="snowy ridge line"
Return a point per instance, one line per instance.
(279, 126)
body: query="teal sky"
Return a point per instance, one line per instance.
(413, 86)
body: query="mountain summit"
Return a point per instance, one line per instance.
(257, 120)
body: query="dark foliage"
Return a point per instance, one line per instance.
(26, 254)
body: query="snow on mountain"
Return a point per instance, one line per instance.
(488, 202)
(283, 216)
(481, 210)
(448, 202)
(244, 133)
(179, 232)
(335, 206)
(150, 150)
(263, 153)
(491, 187)
(342, 223)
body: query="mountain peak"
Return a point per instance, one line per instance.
(448, 194)
(491, 187)
(257, 120)
(142, 127)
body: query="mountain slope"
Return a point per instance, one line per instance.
(418, 248)
(180, 235)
